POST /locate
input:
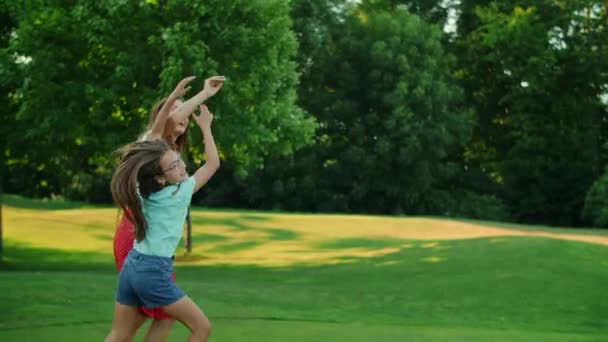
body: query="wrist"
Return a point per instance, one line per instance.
(204, 95)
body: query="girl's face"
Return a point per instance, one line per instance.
(173, 168)
(179, 128)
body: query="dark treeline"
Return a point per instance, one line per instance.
(471, 108)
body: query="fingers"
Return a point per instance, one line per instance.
(204, 118)
(216, 81)
(188, 79)
(204, 109)
(181, 88)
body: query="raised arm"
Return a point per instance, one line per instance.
(212, 161)
(158, 127)
(212, 86)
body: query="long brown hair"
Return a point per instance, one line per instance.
(136, 171)
(181, 143)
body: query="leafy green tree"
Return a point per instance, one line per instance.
(533, 73)
(83, 75)
(389, 116)
(431, 11)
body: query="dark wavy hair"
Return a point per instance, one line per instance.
(136, 171)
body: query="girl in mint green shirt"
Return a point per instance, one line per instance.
(151, 181)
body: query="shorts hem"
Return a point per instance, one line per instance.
(122, 302)
(169, 302)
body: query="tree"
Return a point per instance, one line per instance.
(431, 11)
(533, 73)
(389, 116)
(86, 73)
(8, 23)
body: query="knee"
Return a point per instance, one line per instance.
(203, 329)
(116, 336)
(206, 327)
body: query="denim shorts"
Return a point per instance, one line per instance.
(145, 280)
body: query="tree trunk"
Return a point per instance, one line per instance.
(188, 232)
(1, 249)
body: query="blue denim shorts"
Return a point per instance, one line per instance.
(145, 280)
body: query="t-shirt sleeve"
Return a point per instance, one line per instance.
(187, 188)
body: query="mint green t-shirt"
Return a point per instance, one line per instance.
(165, 212)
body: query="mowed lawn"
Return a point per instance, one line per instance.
(294, 277)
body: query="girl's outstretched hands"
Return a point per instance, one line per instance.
(213, 85)
(204, 119)
(182, 87)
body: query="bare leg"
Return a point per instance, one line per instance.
(159, 330)
(125, 323)
(187, 312)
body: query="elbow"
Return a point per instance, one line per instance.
(215, 165)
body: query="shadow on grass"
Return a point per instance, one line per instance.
(360, 243)
(43, 204)
(258, 218)
(498, 284)
(525, 227)
(20, 257)
(206, 238)
(234, 247)
(239, 224)
(24, 257)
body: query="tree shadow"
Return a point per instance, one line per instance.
(43, 204)
(239, 224)
(21, 256)
(359, 243)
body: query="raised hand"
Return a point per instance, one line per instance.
(181, 89)
(204, 119)
(213, 85)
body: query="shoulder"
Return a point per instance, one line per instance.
(182, 190)
(189, 184)
(185, 189)
(144, 136)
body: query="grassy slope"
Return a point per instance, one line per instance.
(275, 277)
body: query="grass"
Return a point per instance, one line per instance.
(279, 277)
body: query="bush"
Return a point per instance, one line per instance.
(466, 204)
(595, 211)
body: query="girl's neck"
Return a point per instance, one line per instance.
(170, 139)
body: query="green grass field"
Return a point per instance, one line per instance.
(294, 277)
